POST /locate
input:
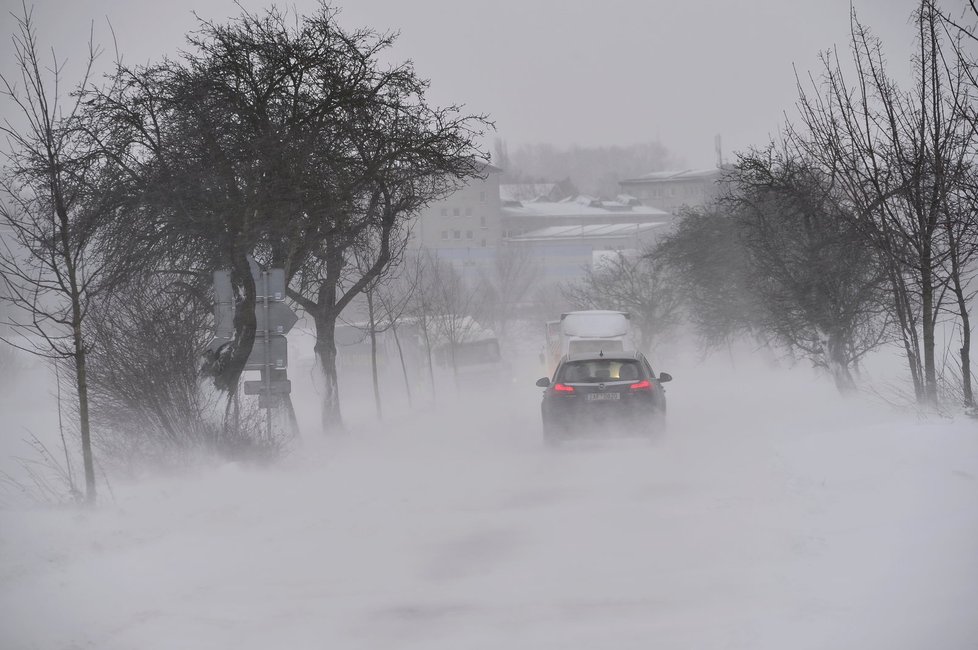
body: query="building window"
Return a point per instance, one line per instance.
(468, 234)
(482, 196)
(457, 234)
(444, 212)
(444, 234)
(483, 243)
(468, 212)
(456, 212)
(482, 221)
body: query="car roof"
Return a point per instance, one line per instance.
(595, 356)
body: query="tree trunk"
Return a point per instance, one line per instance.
(838, 363)
(908, 330)
(81, 380)
(245, 323)
(968, 398)
(928, 325)
(965, 352)
(81, 375)
(400, 354)
(431, 365)
(332, 418)
(373, 353)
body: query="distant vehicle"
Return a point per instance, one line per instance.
(603, 394)
(475, 358)
(588, 331)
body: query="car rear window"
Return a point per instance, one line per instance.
(598, 370)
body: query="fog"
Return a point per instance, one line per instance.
(553, 71)
(772, 513)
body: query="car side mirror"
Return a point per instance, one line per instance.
(664, 377)
(543, 382)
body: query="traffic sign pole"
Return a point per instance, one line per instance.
(273, 319)
(268, 357)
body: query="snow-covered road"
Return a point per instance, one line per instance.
(772, 515)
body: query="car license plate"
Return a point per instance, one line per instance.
(598, 397)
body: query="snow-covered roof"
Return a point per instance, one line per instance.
(684, 175)
(525, 191)
(589, 231)
(582, 206)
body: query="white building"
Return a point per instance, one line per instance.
(463, 228)
(471, 226)
(672, 190)
(567, 236)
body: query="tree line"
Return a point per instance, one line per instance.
(855, 228)
(289, 142)
(284, 139)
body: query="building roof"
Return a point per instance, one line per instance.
(684, 175)
(590, 231)
(582, 206)
(525, 191)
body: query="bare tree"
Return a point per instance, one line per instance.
(960, 219)
(150, 400)
(818, 282)
(414, 168)
(637, 284)
(58, 191)
(710, 267)
(394, 301)
(383, 306)
(506, 289)
(451, 300)
(898, 156)
(289, 140)
(421, 307)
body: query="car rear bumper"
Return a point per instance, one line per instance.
(603, 420)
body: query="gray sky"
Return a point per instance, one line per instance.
(561, 71)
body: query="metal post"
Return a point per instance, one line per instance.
(268, 359)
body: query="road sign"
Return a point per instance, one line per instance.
(223, 305)
(278, 353)
(276, 283)
(281, 318)
(277, 387)
(274, 319)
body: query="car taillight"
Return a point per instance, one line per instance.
(563, 388)
(645, 384)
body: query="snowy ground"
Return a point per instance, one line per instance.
(772, 515)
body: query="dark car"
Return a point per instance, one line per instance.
(603, 394)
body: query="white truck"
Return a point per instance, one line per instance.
(592, 330)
